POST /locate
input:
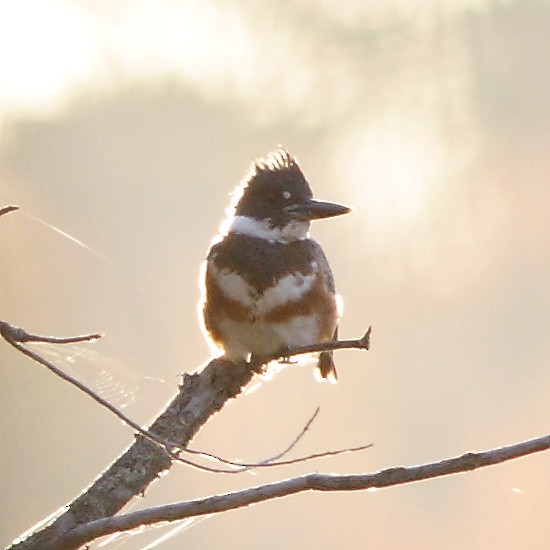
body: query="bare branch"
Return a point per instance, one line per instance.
(6, 209)
(309, 482)
(17, 335)
(201, 395)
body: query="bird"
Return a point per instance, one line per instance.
(266, 285)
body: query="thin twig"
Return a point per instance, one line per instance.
(313, 456)
(274, 460)
(331, 345)
(249, 465)
(20, 335)
(6, 209)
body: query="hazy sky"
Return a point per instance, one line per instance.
(126, 124)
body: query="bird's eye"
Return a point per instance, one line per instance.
(286, 195)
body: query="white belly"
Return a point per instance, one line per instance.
(265, 338)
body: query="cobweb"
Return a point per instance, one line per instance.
(118, 383)
(113, 380)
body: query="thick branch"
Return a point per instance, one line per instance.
(309, 482)
(200, 396)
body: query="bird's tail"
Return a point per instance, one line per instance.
(327, 369)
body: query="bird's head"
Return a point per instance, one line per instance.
(275, 201)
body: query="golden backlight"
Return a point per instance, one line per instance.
(126, 124)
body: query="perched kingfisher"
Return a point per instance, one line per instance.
(267, 286)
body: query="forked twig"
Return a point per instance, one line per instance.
(275, 460)
(249, 465)
(272, 461)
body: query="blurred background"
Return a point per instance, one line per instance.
(126, 125)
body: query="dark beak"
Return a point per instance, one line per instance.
(316, 210)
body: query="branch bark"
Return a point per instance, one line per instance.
(200, 396)
(309, 482)
(92, 514)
